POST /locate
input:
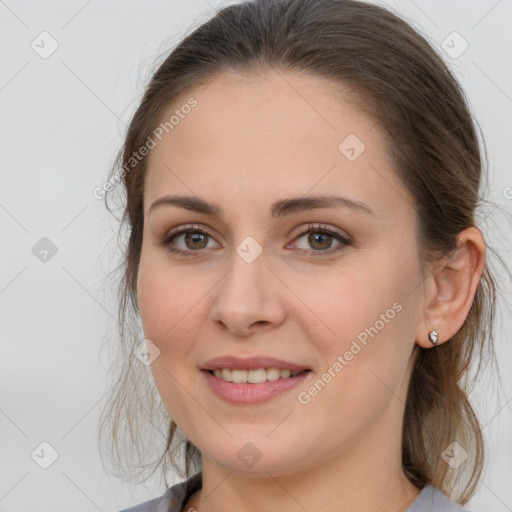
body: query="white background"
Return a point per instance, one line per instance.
(63, 119)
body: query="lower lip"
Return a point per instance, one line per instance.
(246, 393)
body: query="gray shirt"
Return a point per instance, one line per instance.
(430, 499)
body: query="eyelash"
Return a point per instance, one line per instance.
(310, 228)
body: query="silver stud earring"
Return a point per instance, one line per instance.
(432, 336)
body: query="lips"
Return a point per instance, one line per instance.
(251, 363)
(246, 393)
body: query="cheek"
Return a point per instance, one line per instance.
(362, 316)
(364, 349)
(170, 308)
(342, 307)
(169, 300)
(173, 304)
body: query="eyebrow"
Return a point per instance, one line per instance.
(278, 209)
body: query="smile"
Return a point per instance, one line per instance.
(254, 376)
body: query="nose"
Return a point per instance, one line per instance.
(249, 298)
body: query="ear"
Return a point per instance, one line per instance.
(451, 288)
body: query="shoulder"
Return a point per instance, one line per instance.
(432, 499)
(173, 499)
(147, 506)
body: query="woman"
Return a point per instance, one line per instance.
(301, 178)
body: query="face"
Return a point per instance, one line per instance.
(329, 288)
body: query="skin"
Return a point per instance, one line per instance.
(254, 139)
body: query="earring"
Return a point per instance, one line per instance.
(432, 336)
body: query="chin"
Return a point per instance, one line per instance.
(258, 456)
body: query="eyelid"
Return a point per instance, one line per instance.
(322, 228)
(185, 227)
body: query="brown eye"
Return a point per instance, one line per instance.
(195, 240)
(186, 241)
(319, 239)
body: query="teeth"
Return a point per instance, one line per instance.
(253, 376)
(239, 375)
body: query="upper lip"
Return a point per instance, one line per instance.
(251, 363)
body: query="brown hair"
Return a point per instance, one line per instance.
(401, 82)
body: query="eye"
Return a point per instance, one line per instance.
(191, 239)
(320, 239)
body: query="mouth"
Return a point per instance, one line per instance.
(254, 386)
(251, 380)
(257, 376)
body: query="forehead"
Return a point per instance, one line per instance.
(261, 137)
